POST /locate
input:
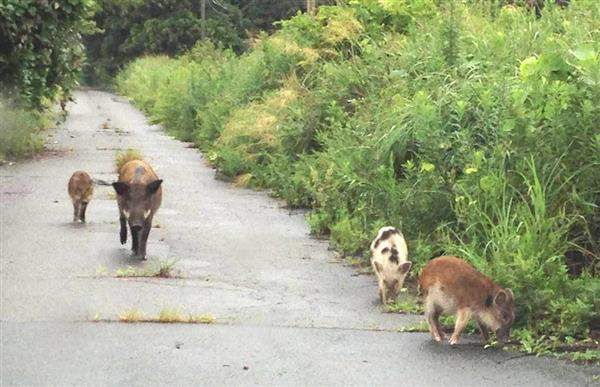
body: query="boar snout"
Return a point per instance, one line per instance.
(136, 228)
(503, 334)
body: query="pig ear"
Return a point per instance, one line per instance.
(120, 187)
(501, 298)
(510, 293)
(153, 187)
(378, 266)
(405, 267)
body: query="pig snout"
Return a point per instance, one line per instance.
(136, 228)
(503, 334)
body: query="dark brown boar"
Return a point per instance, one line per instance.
(451, 285)
(81, 189)
(139, 194)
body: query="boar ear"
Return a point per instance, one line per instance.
(120, 187)
(404, 267)
(378, 266)
(501, 298)
(510, 293)
(153, 187)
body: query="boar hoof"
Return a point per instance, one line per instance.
(453, 342)
(138, 256)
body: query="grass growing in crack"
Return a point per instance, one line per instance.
(419, 327)
(170, 315)
(175, 315)
(128, 271)
(124, 157)
(201, 319)
(167, 315)
(131, 315)
(164, 269)
(158, 269)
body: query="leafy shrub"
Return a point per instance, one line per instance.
(41, 50)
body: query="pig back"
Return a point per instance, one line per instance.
(457, 279)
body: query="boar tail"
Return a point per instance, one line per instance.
(100, 182)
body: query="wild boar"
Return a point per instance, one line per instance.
(139, 195)
(451, 285)
(390, 262)
(81, 189)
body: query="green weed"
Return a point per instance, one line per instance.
(407, 305)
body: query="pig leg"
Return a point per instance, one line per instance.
(382, 293)
(75, 211)
(484, 331)
(432, 313)
(135, 241)
(123, 233)
(144, 237)
(462, 318)
(82, 211)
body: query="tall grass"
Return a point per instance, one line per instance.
(471, 126)
(19, 132)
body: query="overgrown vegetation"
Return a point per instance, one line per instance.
(19, 132)
(40, 58)
(470, 125)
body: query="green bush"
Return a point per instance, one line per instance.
(469, 125)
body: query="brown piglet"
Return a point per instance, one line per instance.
(451, 285)
(139, 195)
(81, 189)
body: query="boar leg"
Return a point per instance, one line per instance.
(462, 318)
(484, 331)
(144, 237)
(135, 241)
(82, 211)
(433, 314)
(75, 211)
(123, 233)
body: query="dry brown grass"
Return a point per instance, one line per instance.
(123, 157)
(167, 315)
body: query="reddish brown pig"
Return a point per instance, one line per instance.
(451, 285)
(139, 195)
(81, 189)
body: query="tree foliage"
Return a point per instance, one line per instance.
(40, 47)
(131, 28)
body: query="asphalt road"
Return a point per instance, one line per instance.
(287, 312)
